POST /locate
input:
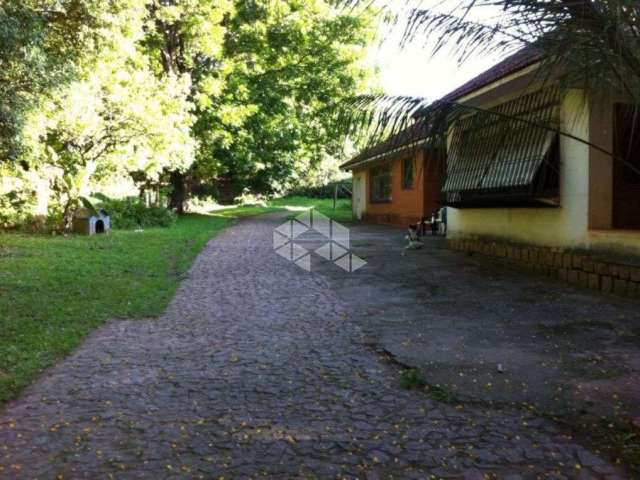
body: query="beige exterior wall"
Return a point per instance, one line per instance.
(359, 189)
(584, 219)
(564, 226)
(625, 242)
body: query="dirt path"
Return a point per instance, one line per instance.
(254, 370)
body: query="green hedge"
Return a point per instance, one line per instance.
(131, 213)
(323, 191)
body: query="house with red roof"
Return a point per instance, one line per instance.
(549, 179)
(397, 181)
(574, 185)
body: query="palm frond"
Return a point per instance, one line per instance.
(593, 45)
(462, 35)
(412, 123)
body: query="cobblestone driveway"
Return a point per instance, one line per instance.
(254, 371)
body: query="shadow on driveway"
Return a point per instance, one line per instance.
(460, 319)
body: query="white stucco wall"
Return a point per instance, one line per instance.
(566, 226)
(359, 199)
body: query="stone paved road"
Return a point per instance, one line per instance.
(254, 371)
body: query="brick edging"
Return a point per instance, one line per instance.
(577, 268)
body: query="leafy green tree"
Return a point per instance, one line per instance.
(186, 37)
(116, 117)
(39, 42)
(286, 65)
(90, 90)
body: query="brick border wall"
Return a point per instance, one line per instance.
(390, 219)
(577, 268)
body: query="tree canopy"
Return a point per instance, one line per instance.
(290, 63)
(214, 95)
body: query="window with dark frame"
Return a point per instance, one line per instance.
(502, 161)
(407, 172)
(381, 184)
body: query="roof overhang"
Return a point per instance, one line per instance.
(499, 83)
(381, 157)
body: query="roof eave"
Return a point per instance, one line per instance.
(351, 165)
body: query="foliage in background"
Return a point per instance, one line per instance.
(95, 90)
(16, 197)
(131, 213)
(324, 191)
(185, 38)
(286, 66)
(115, 117)
(39, 42)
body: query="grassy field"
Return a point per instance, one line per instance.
(342, 213)
(242, 211)
(55, 290)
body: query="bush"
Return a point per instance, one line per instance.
(251, 199)
(17, 199)
(323, 191)
(130, 213)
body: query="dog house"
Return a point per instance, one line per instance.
(87, 224)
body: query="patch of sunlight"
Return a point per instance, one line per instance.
(216, 207)
(295, 208)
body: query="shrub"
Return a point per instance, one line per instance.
(130, 213)
(251, 199)
(323, 191)
(17, 199)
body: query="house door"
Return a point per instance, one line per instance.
(359, 195)
(626, 168)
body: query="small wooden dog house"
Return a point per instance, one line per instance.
(87, 224)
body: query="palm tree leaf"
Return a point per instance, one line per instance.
(589, 44)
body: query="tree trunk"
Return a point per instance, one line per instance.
(179, 193)
(67, 216)
(228, 190)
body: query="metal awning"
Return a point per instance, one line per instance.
(503, 149)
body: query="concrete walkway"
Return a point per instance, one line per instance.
(258, 370)
(483, 332)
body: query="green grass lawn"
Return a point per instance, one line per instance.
(55, 290)
(342, 213)
(243, 211)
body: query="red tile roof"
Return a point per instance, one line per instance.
(519, 60)
(401, 140)
(418, 131)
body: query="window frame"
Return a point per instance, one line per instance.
(375, 173)
(408, 185)
(500, 162)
